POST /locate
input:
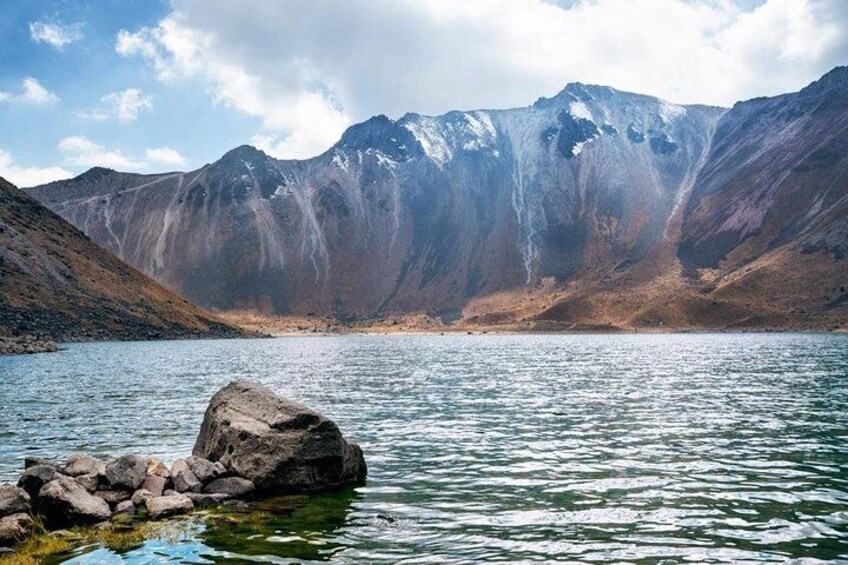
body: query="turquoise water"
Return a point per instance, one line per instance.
(600, 449)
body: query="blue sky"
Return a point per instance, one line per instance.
(151, 85)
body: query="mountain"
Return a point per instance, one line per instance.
(421, 213)
(594, 207)
(57, 284)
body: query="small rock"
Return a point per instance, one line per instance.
(140, 497)
(127, 471)
(155, 484)
(89, 482)
(63, 501)
(207, 500)
(179, 466)
(33, 461)
(124, 508)
(157, 468)
(169, 492)
(36, 477)
(114, 496)
(15, 528)
(82, 464)
(204, 469)
(162, 506)
(234, 486)
(187, 481)
(14, 500)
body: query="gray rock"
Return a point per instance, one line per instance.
(15, 528)
(157, 468)
(207, 500)
(155, 484)
(63, 501)
(163, 506)
(36, 477)
(127, 471)
(140, 497)
(124, 508)
(169, 492)
(179, 466)
(14, 500)
(278, 444)
(82, 464)
(89, 482)
(234, 486)
(186, 481)
(114, 496)
(204, 469)
(33, 461)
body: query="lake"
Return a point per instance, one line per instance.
(719, 448)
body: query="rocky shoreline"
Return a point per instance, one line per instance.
(252, 443)
(26, 344)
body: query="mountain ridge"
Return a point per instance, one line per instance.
(432, 213)
(56, 283)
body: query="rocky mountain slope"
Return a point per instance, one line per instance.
(593, 207)
(56, 283)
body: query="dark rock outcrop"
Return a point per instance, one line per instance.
(280, 445)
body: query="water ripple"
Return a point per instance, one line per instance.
(602, 449)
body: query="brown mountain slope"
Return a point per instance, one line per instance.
(56, 283)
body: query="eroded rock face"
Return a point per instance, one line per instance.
(280, 445)
(63, 501)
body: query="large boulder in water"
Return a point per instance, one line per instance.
(280, 445)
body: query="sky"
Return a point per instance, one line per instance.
(156, 85)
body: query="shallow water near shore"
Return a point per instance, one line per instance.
(717, 448)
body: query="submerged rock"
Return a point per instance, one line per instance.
(233, 486)
(280, 445)
(64, 501)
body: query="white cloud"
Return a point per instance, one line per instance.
(164, 156)
(123, 106)
(81, 151)
(29, 176)
(55, 34)
(32, 93)
(307, 69)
